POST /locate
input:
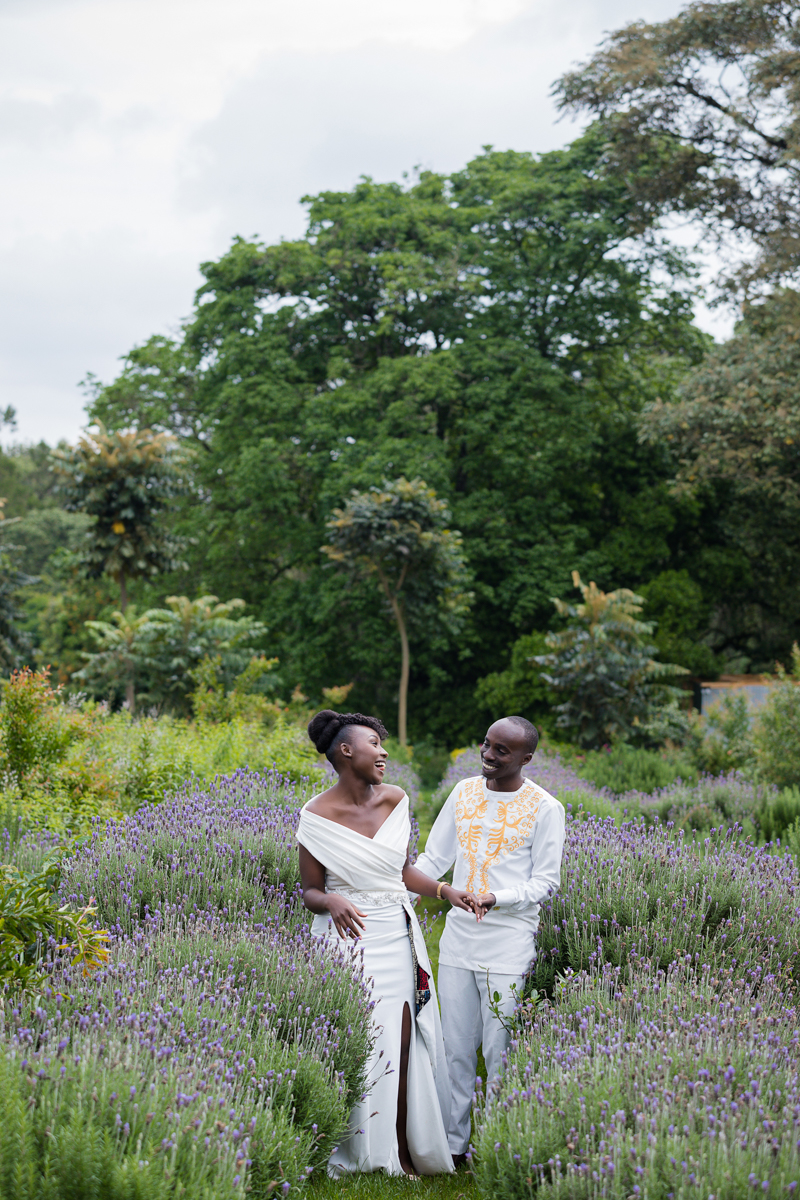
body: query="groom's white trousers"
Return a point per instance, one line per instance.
(468, 1022)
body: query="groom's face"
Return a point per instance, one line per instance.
(504, 751)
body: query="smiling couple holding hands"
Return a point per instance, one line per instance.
(503, 836)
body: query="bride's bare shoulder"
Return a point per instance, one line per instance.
(393, 794)
(323, 803)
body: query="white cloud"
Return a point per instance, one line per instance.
(137, 136)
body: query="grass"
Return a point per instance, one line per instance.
(460, 1186)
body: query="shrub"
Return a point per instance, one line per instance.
(627, 769)
(778, 813)
(68, 763)
(220, 1049)
(227, 850)
(726, 743)
(777, 728)
(160, 651)
(46, 754)
(670, 1084)
(630, 892)
(715, 801)
(603, 665)
(30, 915)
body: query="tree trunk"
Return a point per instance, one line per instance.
(402, 705)
(130, 694)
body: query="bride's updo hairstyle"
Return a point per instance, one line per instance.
(327, 730)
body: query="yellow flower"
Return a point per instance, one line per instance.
(118, 527)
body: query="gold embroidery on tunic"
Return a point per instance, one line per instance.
(482, 844)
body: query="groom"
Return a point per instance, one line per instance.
(504, 837)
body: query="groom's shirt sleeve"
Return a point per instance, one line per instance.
(442, 844)
(547, 846)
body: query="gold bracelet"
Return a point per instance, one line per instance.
(439, 889)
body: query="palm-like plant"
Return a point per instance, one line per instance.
(603, 665)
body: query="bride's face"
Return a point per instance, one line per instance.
(364, 753)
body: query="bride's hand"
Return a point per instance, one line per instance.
(457, 898)
(349, 920)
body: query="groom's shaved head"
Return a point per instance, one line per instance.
(529, 732)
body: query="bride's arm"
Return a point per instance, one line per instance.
(423, 885)
(349, 920)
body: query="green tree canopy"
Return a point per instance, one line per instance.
(157, 653)
(494, 332)
(711, 99)
(123, 481)
(734, 429)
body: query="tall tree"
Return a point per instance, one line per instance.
(711, 98)
(124, 481)
(494, 332)
(399, 534)
(14, 642)
(734, 431)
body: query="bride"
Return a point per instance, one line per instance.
(356, 875)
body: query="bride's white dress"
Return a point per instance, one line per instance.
(368, 871)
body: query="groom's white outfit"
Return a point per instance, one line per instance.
(508, 843)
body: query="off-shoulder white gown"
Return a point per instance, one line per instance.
(368, 871)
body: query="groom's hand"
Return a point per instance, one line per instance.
(483, 903)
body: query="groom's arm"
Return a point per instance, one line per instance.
(440, 848)
(547, 847)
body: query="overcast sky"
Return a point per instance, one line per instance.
(138, 136)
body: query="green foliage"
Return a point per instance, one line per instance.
(677, 605)
(494, 332)
(124, 482)
(778, 814)
(709, 98)
(603, 665)
(30, 914)
(14, 644)
(727, 743)
(26, 481)
(66, 764)
(519, 688)
(155, 655)
(626, 768)
(399, 534)
(212, 703)
(776, 736)
(46, 755)
(734, 431)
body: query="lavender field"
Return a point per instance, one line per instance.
(217, 1050)
(657, 1053)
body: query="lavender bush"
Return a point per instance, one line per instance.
(671, 1085)
(629, 892)
(548, 770)
(220, 1050)
(714, 801)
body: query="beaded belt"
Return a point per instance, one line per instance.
(376, 899)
